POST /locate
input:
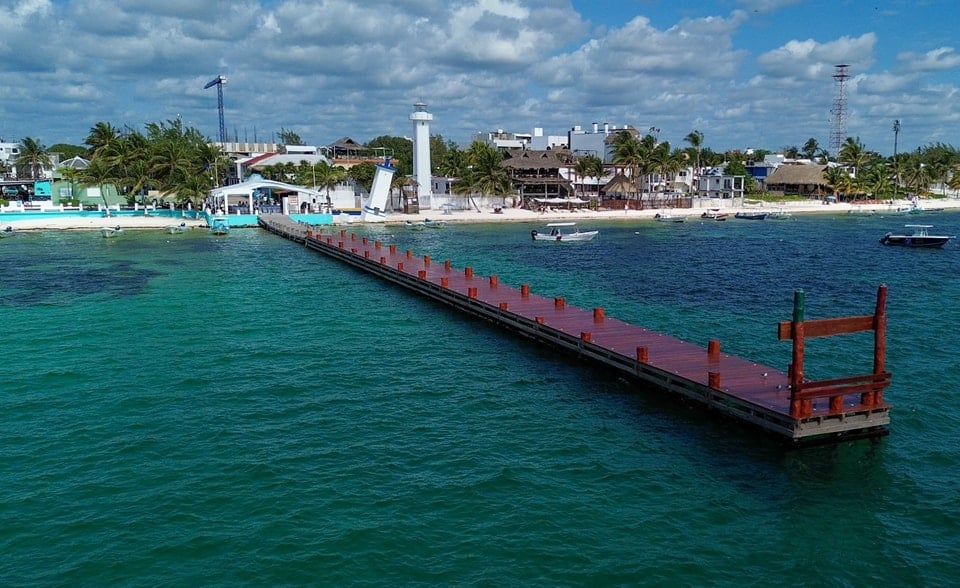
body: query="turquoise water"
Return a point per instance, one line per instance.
(184, 409)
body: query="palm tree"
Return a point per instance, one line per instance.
(838, 179)
(33, 157)
(489, 176)
(854, 154)
(102, 138)
(916, 175)
(328, 176)
(695, 138)
(98, 173)
(629, 153)
(810, 148)
(590, 166)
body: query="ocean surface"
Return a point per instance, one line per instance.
(197, 410)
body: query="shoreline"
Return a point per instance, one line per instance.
(517, 215)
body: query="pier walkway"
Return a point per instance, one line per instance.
(784, 404)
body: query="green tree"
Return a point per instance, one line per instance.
(631, 154)
(102, 138)
(810, 148)
(288, 137)
(488, 175)
(98, 173)
(32, 159)
(838, 179)
(362, 174)
(695, 138)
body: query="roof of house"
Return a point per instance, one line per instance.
(798, 174)
(537, 159)
(620, 184)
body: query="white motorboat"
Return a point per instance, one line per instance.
(920, 238)
(780, 214)
(434, 224)
(714, 214)
(177, 229)
(415, 226)
(668, 217)
(563, 232)
(219, 225)
(109, 232)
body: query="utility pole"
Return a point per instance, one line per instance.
(896, 166)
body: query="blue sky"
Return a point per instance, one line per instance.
(745, 73)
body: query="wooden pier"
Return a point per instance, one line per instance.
(785, 404)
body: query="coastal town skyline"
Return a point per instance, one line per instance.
(745, 73)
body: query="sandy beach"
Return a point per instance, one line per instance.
(473, 216)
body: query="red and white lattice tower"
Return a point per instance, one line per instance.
(839, 110)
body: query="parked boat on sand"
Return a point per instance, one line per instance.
(109, 232)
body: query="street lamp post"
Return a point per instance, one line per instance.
(896, 167)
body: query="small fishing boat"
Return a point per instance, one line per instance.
(434, 224)
(415, 226)
(7, 232)
(780, 214)
(563, 232)
(110, 232)
(919, 238)
(177, 229)
(752, 215)
(219, 225)
(668, 217)
(714, 214)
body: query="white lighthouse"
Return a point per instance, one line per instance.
(421, 151)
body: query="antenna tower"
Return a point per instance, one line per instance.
(839, 110)
(219, 81)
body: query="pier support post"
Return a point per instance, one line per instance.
(422, 274)
(447, 265)
(538, 319)
(426, 260)
(468, 272)
(879, 345)
(366, 254)
(400, 266)
(798, 408)
(393, 248)
(713, 350)
(585, 336)
(377, 244)
(353, 236)
(559, 303)
(503, 306)
(713, 380)
(409, 254)
(444, 282)
(383, 261)
(524, 290)
(598, 315)
(364, 240)
(472, 292)
(494, 281)
(643, 355)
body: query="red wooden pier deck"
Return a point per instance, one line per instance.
(749, 392)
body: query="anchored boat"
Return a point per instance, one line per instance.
(920, 238)
(563, 232)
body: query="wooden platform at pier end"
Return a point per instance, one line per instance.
(785, 404)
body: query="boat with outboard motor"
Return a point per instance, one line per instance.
(563, 232)
(920, 238)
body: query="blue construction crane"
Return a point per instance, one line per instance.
(219, 81)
